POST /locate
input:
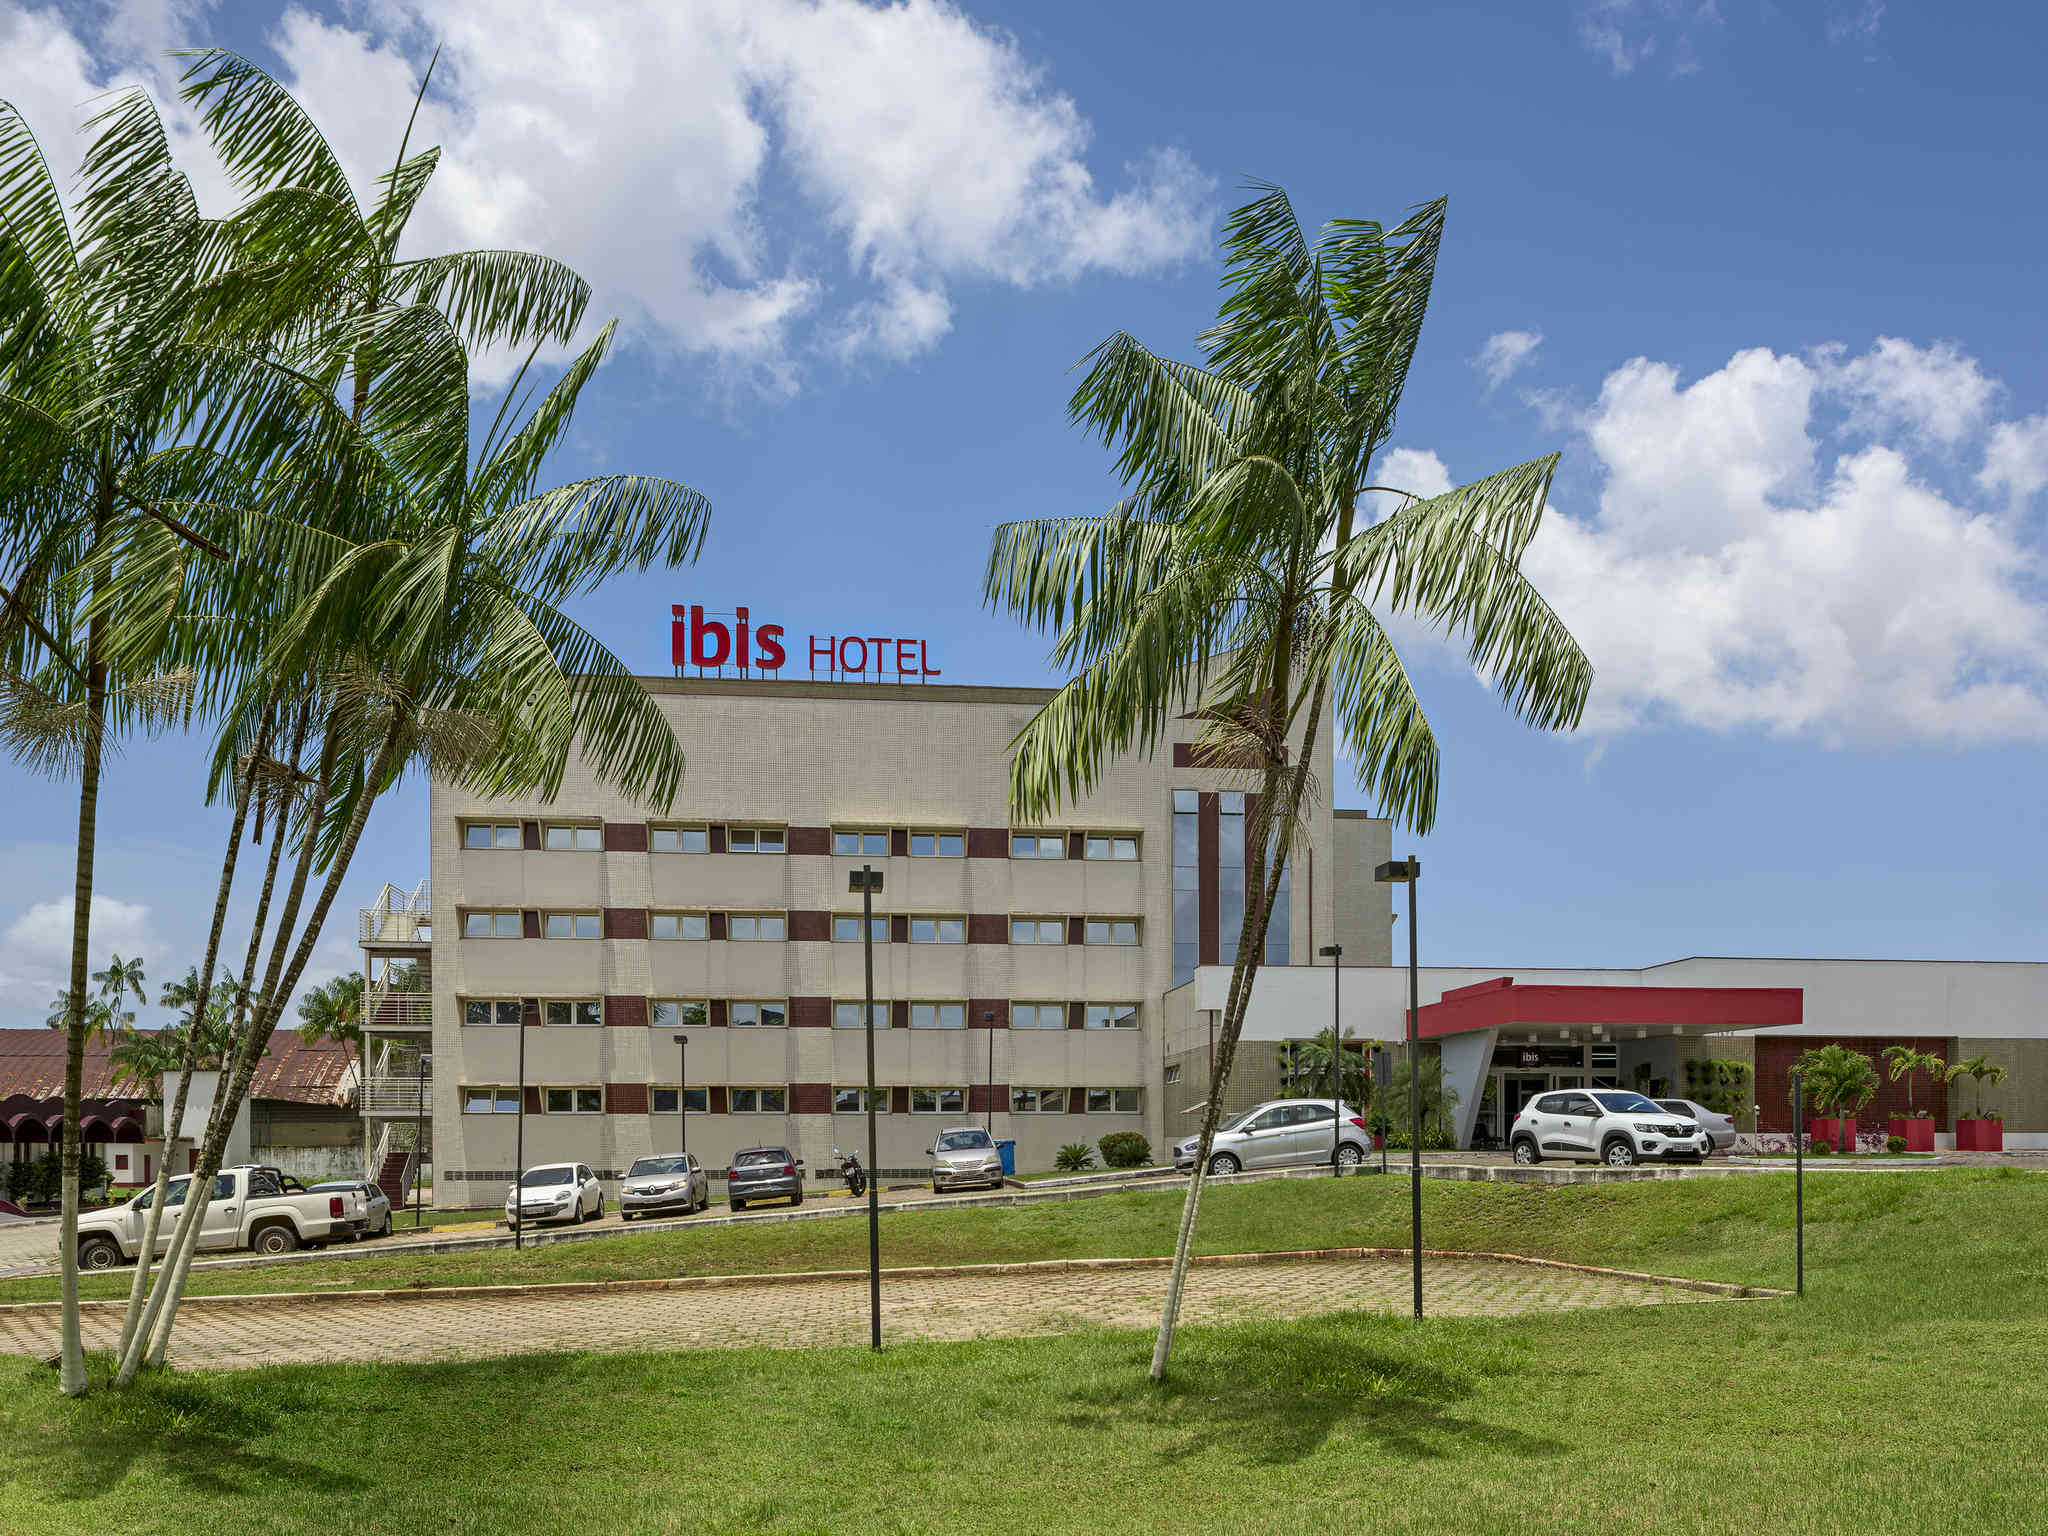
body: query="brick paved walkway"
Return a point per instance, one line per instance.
(834, 1311)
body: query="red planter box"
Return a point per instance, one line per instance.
(1837, 1133)
(1916, 1131)
(1379, 1141)
(1980, 1135)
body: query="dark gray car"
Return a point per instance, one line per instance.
(763, 1173)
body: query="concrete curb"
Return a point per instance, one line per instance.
(911, 1272)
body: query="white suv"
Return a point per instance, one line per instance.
(1608, 1125)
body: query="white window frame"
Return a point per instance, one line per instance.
(1035, 844)
(1091, 1011)
(935, 1015)
(700, 1099)
(860, 850)
(1107, 928)
(858, 1009)
(758, 1106)
(496, 1005)
(853, 918)
(757, 837)
(582, 837)
(1137, 1101)
(1043, 1101)
(575, 1006)
(1108, 847)
(676, 1010)
(504, 1098)
(938, 930)
(937, 1106)
(734, 919)
(497, 917)
(679, 923)
(938, 839)
(495, 832)
(758, 1006)
(1059, 1012)
(575, 1092)
(859, 1090)
(583, 926)
(681, 832)
(1036, 927)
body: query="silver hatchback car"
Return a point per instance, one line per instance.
(964, 1157)
(1281, 1131)
(674, 1183)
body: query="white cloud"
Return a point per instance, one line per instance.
(747, 181)
(1505, 353)
(35, 950)
(1626, 33)
(1857, 24)
(1933, 392)
(1414, 470)
(2016, 458)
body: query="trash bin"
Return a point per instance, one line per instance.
(1009, 1150)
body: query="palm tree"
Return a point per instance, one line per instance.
(1438, 1097)
(1904, 1060)
(1838, 1081)
(335, 1009)
(1241, 575)
(1980, 1070)
(1305, 1064)
(120, 978)
(141, 1057)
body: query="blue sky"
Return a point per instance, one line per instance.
(1768, 276)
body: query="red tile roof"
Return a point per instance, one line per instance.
(291, 1071)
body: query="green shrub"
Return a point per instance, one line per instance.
(1125, 1149)
(1895, 1143)
(1821, 1147)
(1074, 1157)
(39, 1180)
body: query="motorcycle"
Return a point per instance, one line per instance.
(850, 1169)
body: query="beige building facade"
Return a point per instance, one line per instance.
(1021, 974)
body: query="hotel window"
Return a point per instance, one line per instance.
(1038, 1101)
(1111, 1016)
(758, 1101)
(1113, 1101)
(573, 1013)
(1111, 930)
(664, 1101)
(1038, 930)
(1121, 848)
(1173, 1073)
(846, 930)
(493, 1010)
(679, 839)
(938, 1101)
(754, 840)
(1038, 845)
(1187, 885)
(872, 844)
(558, 837)
(572, 925)
(758, 1015)
(938, 1015)
(679, 925)
(1229, 874)
(938, 845)
(1038, 1015)
(573, 1101)
(674, 1013)
(757, 925)
(855, 1015)
(490, 925)
(849, 1101)
(490, 834)
(495, 1099)
(938, 930)
(1277, 946)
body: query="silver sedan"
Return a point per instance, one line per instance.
(676, 1183)
(1720, 1128)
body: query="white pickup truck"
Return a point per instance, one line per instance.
(252, 1207)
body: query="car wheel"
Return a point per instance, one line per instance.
(1224, 1163)
(737, 1205)
(1526, 1153)
(598, 1214)
(99, 1253)
(1619, 1153)
(275, 1238)
(935, 1189)
(1349, 1156)
(797, 1198)
(385, 1230)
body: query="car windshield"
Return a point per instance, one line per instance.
(759, 1156)
(648, 1165)
(543, 1178)
(1243, 1120)
(1627, 1104)
(965, 1141)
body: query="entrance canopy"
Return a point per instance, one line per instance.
(1500, 1004)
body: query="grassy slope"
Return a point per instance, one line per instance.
(1904, 1394)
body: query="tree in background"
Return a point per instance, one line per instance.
(1305, 1068)
(1905, 1062)
(1246, 578)
(1838, 1081)
(1980, 1070)
(335, 1008)
(1439, 1103)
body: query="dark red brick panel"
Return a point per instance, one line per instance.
(810, 1098)
(716, 926)
(625, 922)
(999, 1006)
(529, 924)
(719, 1016)
(625, 837)
(714, 1099)
(532, 1097)
(1077, 1016)
(899, 928)
(529, 1012)
(899, 1101)
(1077, 931)
(529, 834)
(810, 839)
(978, 1097)
(810, 927)
(1075, 847)
(626, 1012)
(899, 1014)
(899, 842)
(810, 1012)
(988, 842)
(988, 928)
(625, 1098)
(1077, 1101)
(716, 840)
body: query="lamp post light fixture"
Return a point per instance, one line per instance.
(1334, 953)
(419, 1137)
(867, 881)
(683, 1100)
(1407, 872)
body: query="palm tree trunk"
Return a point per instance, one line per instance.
(174, 1118)
(71, 1367)
(278, 985)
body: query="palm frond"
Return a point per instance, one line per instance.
(261, 134)
(497, 296)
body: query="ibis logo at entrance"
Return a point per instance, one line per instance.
(719, 643)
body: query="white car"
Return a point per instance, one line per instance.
(1615, 1126)
(556, 1192)
(1717, 1125)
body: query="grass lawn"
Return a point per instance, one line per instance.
(1905, 1393)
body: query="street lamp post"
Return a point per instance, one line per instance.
(988, 1120)
(419, 1137)
(1407, 872)
(867, 882)
(519, 1146)
(683, 1096)
(1334, 953)
(1799, 1177)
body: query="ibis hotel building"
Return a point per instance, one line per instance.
(1021, 973)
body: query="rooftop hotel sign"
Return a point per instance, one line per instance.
(732, 644)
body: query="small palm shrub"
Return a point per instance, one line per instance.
(1125, 1149)
(1074, 1157)
(1895, 1144)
